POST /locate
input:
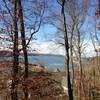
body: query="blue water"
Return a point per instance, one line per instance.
(52, 62)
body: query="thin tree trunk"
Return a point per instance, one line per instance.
(22, 29)
(97, 61)
(70, 90)
(71, 56)
(15, 55)
(80, 64)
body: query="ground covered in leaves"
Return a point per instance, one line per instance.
(40, 84)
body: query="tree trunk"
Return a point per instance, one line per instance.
(80, 64)
(15, 56)
(71, 53)
(22, 29)
(70, 90)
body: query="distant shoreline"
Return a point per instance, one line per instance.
(9, 53)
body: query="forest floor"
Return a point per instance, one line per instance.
(40, 78)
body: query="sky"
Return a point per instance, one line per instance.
(43, 44)
(47, 32)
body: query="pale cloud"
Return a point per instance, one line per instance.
(89, 51)
(48, 48)
(52, 48)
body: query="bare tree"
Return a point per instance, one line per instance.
(18, 20)
(70, 90)
(13, 15)
(15, 55)
(35, 27)
(75, 12)
(22, 29)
